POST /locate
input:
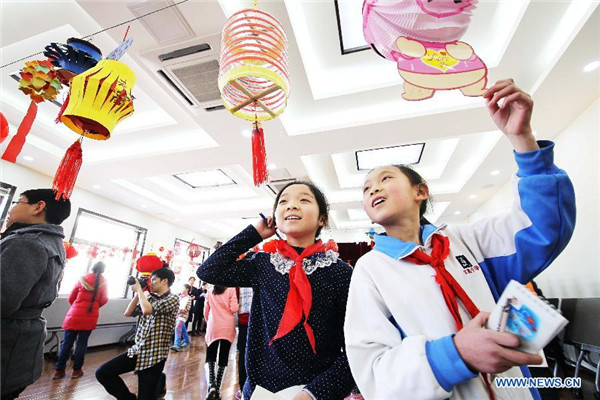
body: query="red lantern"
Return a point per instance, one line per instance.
(148, 263)
(194, 250)
(70, 250)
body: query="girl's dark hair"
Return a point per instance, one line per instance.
(415, 179)
(218, 289)
(319, 197)
(186, 286)
(98, 269)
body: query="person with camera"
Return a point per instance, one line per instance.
(153, 336)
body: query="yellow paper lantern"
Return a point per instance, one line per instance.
(100, 98)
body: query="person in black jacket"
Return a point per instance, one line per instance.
(32, 258)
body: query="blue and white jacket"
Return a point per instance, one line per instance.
(398, 329)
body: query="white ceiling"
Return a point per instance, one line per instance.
(338, 104)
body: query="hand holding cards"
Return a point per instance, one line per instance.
(520, 312)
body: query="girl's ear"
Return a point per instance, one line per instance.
(322, 220)
(422, 192)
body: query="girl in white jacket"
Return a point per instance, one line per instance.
(419, 301)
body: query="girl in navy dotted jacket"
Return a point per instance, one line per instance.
(295, 334)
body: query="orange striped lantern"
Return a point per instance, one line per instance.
(253, 75)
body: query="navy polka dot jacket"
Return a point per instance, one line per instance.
(289, 361)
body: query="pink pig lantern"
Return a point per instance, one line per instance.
(422, 37)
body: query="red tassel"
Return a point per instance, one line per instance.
(3, 128)
(259, 156)
(16, 144)
(66, 174)
(63, 108)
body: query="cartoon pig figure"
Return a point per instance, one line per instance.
(422, 36)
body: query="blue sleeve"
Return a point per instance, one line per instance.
(224, 268)
(523, 243)
(447, 365)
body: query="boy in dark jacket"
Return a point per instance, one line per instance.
(32, 257)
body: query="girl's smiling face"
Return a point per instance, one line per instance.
(389, 196)
(297, 213)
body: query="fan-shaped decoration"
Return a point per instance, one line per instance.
(253, 75)
(40, 82)
(73, 58)
(422, 37)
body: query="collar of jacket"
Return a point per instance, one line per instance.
(167, 293)
(397, 249)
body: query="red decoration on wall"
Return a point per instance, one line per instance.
(93, 253)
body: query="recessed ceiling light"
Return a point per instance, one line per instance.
(28, 158)
(96, 186)
(591, 66)
(247, 133)
(494, 172)
(144, 206)
(473, 196)
(456, 212)
(177, 219)
(271, 166)
(203, 179)
(404, 154)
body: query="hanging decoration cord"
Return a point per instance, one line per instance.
(104, 30)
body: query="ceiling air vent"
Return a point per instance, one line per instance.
(190, 70)
(276, 185)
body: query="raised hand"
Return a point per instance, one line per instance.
(511, 109)
(265, 229)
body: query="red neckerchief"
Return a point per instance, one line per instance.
(299, 298)
(451, 289)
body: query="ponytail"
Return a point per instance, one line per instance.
(98, 269)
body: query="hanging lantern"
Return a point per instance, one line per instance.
(100, 98)
(70, 250)
(40, 82)
(194, 250)
(169, 256)
(423, 38)
(3, 128)
(148, 263)
(253, 75)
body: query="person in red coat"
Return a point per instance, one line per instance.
(86, 298)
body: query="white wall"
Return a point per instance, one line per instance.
(160, 232)
(576, 272)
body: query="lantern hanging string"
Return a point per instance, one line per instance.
(90, 37)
